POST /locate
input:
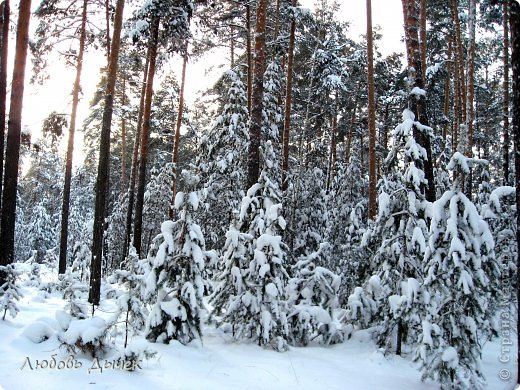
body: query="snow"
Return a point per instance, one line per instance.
(271, 290)
(218, 364)
(450, 357)
(38, 332)
(87, 330)
(418, 92)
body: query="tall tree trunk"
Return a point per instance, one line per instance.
(447, 89)
(505, 103)
(123, 141)
(470, 82)
(135, 154)
(145, 136)
(459, 62)
(423, 41)
(514, 18)
(372, 179)
(255, 127)
(4, 39)
(418, 102)
(104, 161)
(288, 104)
(175, 157)
(14, 127)
(249, 59)
(64, 232)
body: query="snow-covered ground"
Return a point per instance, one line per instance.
(217, 364)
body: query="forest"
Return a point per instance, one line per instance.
(319, 200)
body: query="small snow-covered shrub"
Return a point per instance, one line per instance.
(9, 291)
(86, 335)
(134, 354)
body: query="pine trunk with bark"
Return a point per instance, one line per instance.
(514, 19)
(423, 41)
(175, 156)
(288, 104)
(447, 90)
(123, 141)
(255, 127)
(459, 63)
(135, 162)
(372, 179)
(249, 59)
(145, 136)
(505, 103)
(4, 41)
(102, 180)
(64, 232)
(12, 157)
(470, 82)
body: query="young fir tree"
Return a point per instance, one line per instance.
(459, 264)
(312, 299)
(347, 223)
(251, 288)
(401, 223)
(222, 159)
(130, 303)
(175, 283)
(157, 194)
(9, 291)
(73, 290)
(398, 240)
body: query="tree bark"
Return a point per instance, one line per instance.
(145, 136)
(64, 233)
(514, 20)
(423, 42)
(459, 63)
(135, 155)
(4, 28)
(103, 165)
(255, 128)
(175, 157)
(249, 59)
(123, 141)
(14, 128)
(288, 104)
(447, 89)
(372, 179)
(470, 82)
(505, 103)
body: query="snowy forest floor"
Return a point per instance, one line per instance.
(219, 363)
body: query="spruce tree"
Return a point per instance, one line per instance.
(174, 284)
(459, 265)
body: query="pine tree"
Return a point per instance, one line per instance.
(175, 280)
